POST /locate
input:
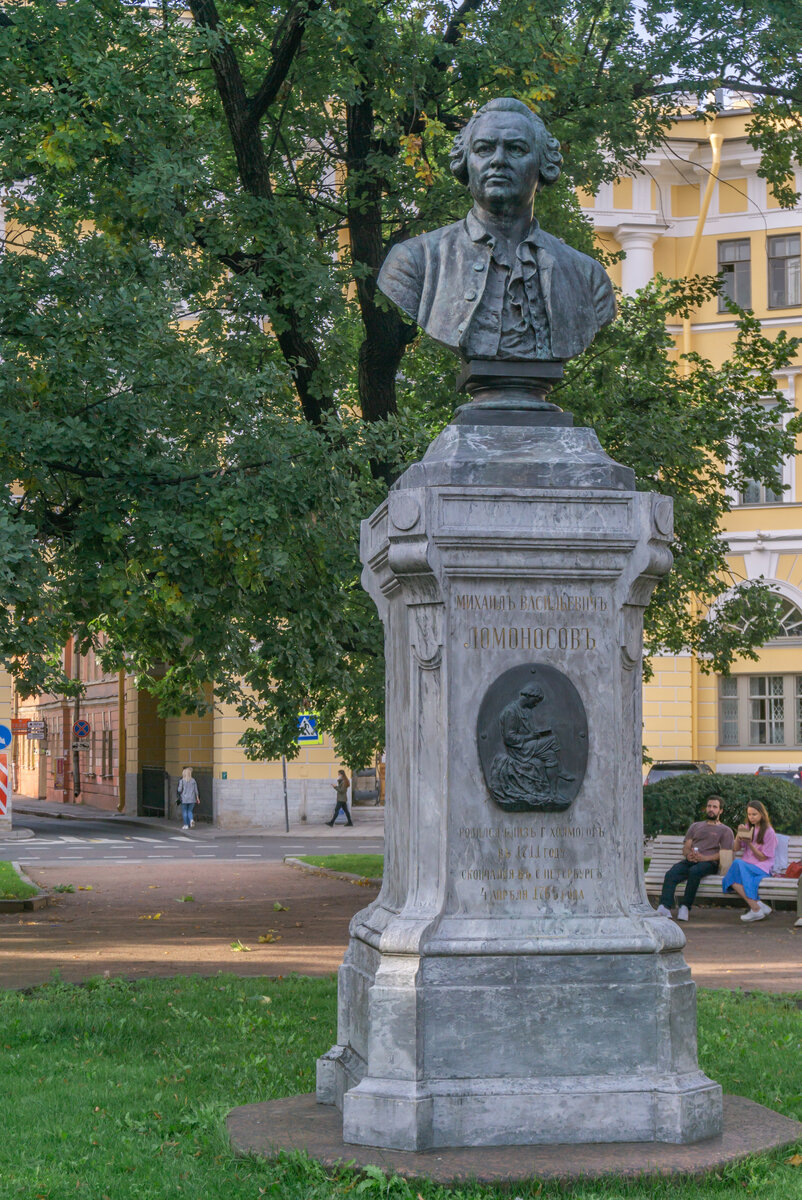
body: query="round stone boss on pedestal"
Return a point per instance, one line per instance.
(532, 736)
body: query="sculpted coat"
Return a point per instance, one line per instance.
(439, 278)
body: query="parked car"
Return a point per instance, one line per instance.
(668, 768)
(791, 776)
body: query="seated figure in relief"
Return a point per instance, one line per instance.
(526, 776)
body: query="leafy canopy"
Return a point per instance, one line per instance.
(201, 392)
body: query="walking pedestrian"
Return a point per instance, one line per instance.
(341, 804)
(188, 797)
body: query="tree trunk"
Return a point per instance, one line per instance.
(386, 333)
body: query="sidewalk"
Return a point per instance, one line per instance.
(133, 919)
(368, 821)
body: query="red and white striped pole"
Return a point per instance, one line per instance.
(3, 785)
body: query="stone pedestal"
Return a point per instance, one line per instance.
(511, 984)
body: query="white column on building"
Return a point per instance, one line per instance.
(637, 242)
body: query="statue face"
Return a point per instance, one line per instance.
(503, 162)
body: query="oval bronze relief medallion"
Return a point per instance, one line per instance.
(532, 735)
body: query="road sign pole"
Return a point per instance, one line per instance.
(286, 806)
(3, 786)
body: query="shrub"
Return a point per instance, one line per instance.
(673, 804)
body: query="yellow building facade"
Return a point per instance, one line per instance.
(698, 206)
(125, 728)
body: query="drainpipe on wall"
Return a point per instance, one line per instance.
(122, 746)
(77, 798)
(716, 140)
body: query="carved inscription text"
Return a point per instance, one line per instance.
(530, 637)
(525, 636)
(531, 862)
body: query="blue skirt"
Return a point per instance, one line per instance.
(749, 877)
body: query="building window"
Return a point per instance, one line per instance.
(107, 752)
(760, 711)
(790, 619)
(728, 712)
(766, 710)
(735, 268)
(757, 492)
(784, 273)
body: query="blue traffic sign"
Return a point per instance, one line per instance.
(309, 731)
(81, 729)
(5, 736)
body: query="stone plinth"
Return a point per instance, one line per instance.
(511, 984)
(299, 1125)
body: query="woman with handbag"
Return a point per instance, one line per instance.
(758, 841)
(188, 797)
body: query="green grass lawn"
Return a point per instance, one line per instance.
(11, 886)
(119, 1090)
(369, 865)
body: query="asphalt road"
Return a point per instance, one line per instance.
(115, 840)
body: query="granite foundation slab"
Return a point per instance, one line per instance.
(301, 1124)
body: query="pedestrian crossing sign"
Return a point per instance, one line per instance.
(309, 731)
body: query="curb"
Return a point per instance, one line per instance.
(347, 876)
(78, 813)
(32, 903)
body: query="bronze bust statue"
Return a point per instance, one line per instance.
(495, 286)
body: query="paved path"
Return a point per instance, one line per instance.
(114, 927)
(724, 952)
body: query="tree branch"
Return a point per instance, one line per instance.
(456, 26)
(283, 48)
(296, 345)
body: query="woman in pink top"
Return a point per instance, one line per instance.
(758, 841)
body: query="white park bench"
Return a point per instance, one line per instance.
(666, 850)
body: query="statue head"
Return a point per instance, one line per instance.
(505, 154)
(531, 694)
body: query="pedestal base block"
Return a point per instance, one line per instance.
(568, 1110)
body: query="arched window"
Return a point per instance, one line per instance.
(790, 619)
(790, 616)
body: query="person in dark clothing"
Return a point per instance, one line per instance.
(341, 788)
(700, 856)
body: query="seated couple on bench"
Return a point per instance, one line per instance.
(701, 852)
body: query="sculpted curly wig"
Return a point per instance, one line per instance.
(548, 146)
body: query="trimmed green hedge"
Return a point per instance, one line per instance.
(673, 804)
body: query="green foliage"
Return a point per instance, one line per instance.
(197, 380)
(673, 804)
(370, 866)
(121, 1089)
(11, 886)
